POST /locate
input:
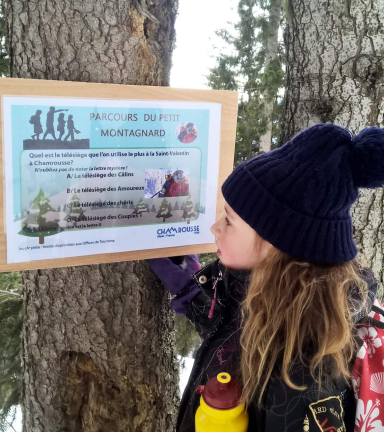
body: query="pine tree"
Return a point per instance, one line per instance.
(35, 225)
(188, 210)
(132, 206)
(4, 59)
(170, 207)
(183, 206)
(176, 206)
(196, 207)
(140, 208)
(255, 68)
(16, 217)
(74, 210)
(42, 202)
(89, 368)
(153, 209)
(11, 322)
(187, 339)
(164, 212)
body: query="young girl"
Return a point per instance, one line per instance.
(61, 125)
(278, 310)
(37, 128)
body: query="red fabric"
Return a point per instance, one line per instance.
(188, 138)
(181, 189)
(368, 377)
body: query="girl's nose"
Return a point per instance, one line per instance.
(215, 229)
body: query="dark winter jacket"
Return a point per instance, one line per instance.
(286, 410)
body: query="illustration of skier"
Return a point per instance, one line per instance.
(37, 128)
(71, 128)
(50, 118)
(61, 125)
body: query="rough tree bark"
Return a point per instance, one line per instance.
(98, 340)
(271, 52)
(335, 64)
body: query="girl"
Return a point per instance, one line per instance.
(71, 128)
(279, 309)
(37, 128)
(61, 125)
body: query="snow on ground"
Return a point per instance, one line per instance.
(184, 373)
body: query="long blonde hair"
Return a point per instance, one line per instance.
(290, 304)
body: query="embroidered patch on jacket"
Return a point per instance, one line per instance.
(327, 416)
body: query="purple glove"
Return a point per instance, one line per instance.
(175, 277)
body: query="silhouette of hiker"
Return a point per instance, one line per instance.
(50, 118)
(71, 128)
(37, 128)
(61, 125)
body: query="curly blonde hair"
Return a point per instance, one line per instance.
(289, 304)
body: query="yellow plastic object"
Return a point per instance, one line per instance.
(209, 419)
(224, 377)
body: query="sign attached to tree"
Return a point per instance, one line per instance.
(103, 173)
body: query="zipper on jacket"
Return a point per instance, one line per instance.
(213, 303)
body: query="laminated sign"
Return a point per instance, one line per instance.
(129, 176)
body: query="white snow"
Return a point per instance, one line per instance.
(184, 373)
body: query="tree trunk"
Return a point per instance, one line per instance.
(272, 47)
(335, 64)
(98, 350)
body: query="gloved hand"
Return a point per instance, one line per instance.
(175, 277)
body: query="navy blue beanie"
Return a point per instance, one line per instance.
(298, 197)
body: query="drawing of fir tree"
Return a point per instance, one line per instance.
(36, 225)
(188, 210)
(164, 210)
(75, 212)
(140, 208)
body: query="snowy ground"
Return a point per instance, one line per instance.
(184, 376)
(184, 373)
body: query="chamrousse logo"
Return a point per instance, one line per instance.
(171, 232)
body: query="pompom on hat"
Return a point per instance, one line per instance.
(298, 197)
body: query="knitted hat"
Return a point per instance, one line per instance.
(298, 197)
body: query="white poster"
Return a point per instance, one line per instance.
(88, 176)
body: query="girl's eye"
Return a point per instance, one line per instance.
(227, 221)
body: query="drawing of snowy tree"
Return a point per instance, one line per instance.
(36, 225)
(164, 210)
(153, 209)
(74, 210)
(188, 210)
(132, 206)
(170, 207)
(176, 206)
(140, 208)
(16, 218)
(182, 206)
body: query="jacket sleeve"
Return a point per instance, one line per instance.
(195, 300)
(204, 311)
